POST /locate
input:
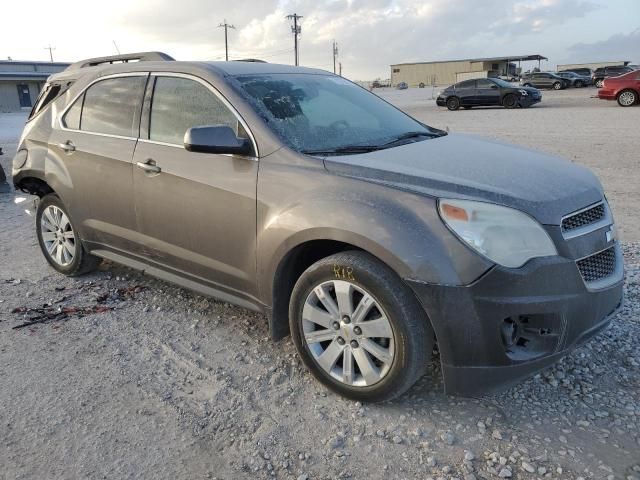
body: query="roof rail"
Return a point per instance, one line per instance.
(256, 60)
(125, 58)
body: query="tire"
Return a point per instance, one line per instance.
(509, 101)
(59, 240)
(453, 103)
(421, 85)
(557, 86)
(578, 84)
(599, 82)
(404, 342)
(627, 98)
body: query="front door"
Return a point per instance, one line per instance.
(196, 212)
(487, 92)
(24, 96)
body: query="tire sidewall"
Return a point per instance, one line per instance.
(74, 266)
(371, 276)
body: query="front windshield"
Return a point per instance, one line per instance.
(322, 113)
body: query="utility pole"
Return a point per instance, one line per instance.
(226, 41)
(296, 30)
(335, 54)
(116, 45)
(340, 64)
(51, 49)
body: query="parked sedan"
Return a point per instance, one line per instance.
(544, 80)
(577, 81)
(487, 92)
(625, 89)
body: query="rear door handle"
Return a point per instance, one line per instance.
(67, 146)
(149, 166)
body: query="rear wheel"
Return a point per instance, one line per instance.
(579, 84)
(557, 86)
(58, 239)
(626, 98)
(599, 82)
(453, 103)
(358, 328)
(509, 101)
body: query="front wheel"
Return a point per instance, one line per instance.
(59, 240)
(453, 103)
(358, 328)
(627, 98)
(509, 101)
(599, 83)
(557, 86)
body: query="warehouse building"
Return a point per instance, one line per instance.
(593, 65)
(452, 71)
(21, 82)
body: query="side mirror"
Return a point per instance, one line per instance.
(494, 86)
(216, 139)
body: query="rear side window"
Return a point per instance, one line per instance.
(466, 84)
(48, 94)
(179, 104)
(484, 83)
(110, 106)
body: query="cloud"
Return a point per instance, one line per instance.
(617, 47)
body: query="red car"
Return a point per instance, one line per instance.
(625, 89)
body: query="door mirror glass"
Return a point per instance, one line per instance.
(216, 139)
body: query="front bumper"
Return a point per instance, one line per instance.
(605, 94)
(529, 100)
(441, 101)
(512, 323)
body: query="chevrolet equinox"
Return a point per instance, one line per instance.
(364, 234)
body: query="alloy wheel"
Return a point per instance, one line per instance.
(58, 236)
(627, 98)
(348, 333)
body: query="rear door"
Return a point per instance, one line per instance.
(95, 141)
(197, 211)
(465, 91)
(487, 92)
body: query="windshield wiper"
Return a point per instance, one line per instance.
(410, 135)
(347, 149)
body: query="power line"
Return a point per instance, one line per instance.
(51, 49)
(226, 43)
(296, 30)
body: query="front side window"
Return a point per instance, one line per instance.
(110, 106)
(313, 113)
(179, 104)
(466, 84)
(484, 83)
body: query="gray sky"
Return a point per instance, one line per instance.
(371, 33)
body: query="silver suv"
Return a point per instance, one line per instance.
(365, 234)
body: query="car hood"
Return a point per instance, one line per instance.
(464, 166)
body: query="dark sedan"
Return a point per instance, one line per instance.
(485, 92)
(577, 81)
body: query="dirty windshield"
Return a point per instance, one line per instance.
(325, 114)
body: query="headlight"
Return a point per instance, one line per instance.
(523, 92)
(20, 159)
(504, 235)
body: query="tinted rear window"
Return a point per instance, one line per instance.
(112, 106)
(48, 94)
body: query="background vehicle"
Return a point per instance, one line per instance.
(584, 72)
(487, 92)
(577, 81)
(363, 233)
(544, 80)
(600, 74)
(624, 88)
(402, 86)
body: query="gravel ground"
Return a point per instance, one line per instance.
(162, 383)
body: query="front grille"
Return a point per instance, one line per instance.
(583, 218)
(598, 266)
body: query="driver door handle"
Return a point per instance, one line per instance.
(67, 146)
(149, 166)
